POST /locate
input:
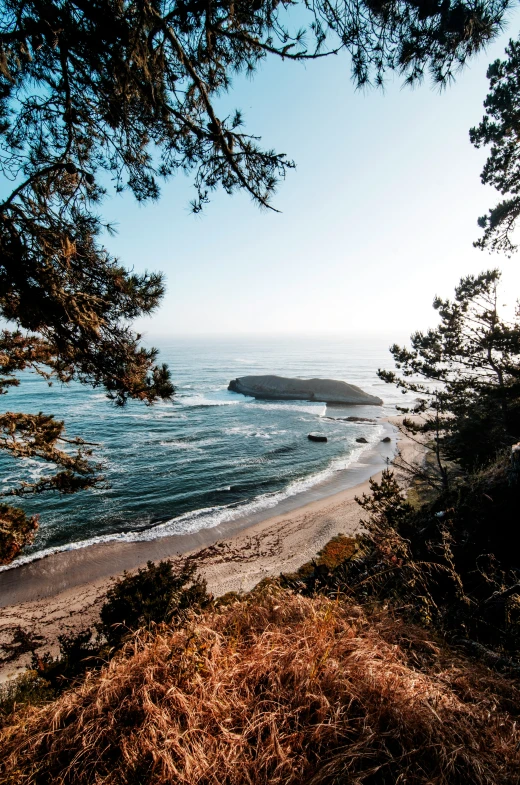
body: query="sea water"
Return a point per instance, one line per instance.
(210, 455)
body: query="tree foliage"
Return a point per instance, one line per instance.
(500, 128)
(125, 93)
(466, 373)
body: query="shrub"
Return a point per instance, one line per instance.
(154, 594)
(451, 562)
(78, 653)
(27, 689)
(334, 553)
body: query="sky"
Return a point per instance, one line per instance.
(378, 217)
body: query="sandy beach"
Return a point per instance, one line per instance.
(64, 593)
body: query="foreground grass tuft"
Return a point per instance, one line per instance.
(276, 688)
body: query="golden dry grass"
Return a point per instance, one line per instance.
(275, 689)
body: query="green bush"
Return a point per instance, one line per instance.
(78, 653)
(154, 594)
(28, 688)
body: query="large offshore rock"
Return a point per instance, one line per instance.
(280, 388)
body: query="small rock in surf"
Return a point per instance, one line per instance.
(317, 437)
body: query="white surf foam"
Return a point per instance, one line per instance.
(317, 409)
(190, 446)
(201, 400)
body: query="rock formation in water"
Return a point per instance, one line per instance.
(280, 388)
(317, 437)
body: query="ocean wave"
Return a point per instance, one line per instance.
(209, 517)
(187, 444)
(282, 450)
(32, 470)
(152, 414)
(178, 444)
(317, 409)
(252, 431)
(200, 402)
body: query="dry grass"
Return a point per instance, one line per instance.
(275, 689)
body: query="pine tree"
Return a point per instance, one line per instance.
(500, 128)
(466, 374)
(93, 91)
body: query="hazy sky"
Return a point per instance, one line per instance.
(378, 217)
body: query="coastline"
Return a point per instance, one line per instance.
(233, 518)
(47, 573)
(64, 592)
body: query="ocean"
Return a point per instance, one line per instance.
(211, 455)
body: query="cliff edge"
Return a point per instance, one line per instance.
(280, 388)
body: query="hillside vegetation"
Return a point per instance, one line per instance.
(390, 658)
(276, 688)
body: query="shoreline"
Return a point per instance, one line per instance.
(64, 593)
(82, 562)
